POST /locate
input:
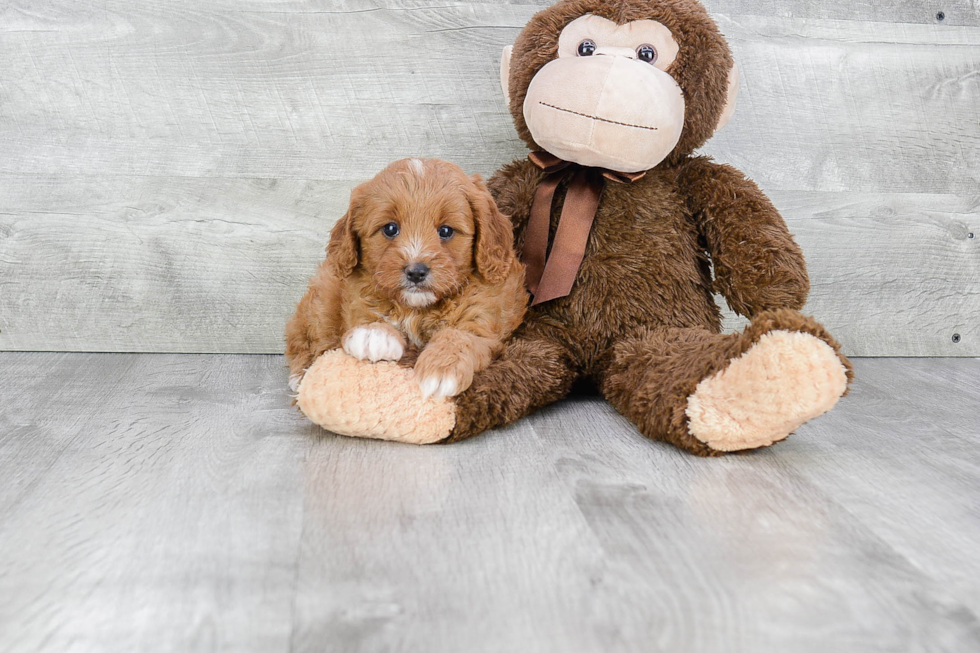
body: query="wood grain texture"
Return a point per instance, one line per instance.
(158, 264)
(889, 273)
(170, 172)
(955, 12)
(849, 106)
(197, 265)
(167, 502)
(125, 525)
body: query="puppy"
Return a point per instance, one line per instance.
(422, 263)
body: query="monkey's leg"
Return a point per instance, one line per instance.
(532, 372)
(384, 401)
(709, 393)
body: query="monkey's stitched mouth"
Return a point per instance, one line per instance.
(585, 115)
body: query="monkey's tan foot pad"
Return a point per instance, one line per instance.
(785, 379)
(372, 400)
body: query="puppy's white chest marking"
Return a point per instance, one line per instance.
(373, 344)
(418, 298)
(408, 328)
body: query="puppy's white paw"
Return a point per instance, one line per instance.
(373, 344)
(439, 386)
(294, 382)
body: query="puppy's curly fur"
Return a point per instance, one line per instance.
(421, 265)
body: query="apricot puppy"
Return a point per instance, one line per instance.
(422, 262)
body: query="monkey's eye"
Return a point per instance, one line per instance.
(586, 48)
(646, 53)
(390, 230)
(446, 232)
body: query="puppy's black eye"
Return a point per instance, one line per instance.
(646, 53)
(390, 230)
(446, 232)
(586, 48)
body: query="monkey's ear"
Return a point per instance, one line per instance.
(343, 248)
(505, 72)
(494, 234)
(726, 113)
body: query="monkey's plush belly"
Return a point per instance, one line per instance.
(643, 267)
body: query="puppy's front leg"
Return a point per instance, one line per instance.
(375, 342)
(446, 366)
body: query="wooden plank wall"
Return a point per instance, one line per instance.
(169, 170)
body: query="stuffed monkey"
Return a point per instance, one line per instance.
(626, 235)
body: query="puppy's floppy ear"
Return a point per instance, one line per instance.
(494, 234)
(344, 247)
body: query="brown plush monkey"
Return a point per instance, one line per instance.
(622, 229)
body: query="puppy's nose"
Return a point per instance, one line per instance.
(417, 272)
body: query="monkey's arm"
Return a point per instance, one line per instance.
(758, 266)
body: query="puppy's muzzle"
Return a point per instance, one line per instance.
(416, 273)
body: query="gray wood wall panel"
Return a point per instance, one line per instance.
(955, 12)
(170, 171)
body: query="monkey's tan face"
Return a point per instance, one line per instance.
(608, 100)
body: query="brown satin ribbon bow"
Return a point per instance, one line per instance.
(554, 278)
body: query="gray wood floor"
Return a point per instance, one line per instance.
(177, 503)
